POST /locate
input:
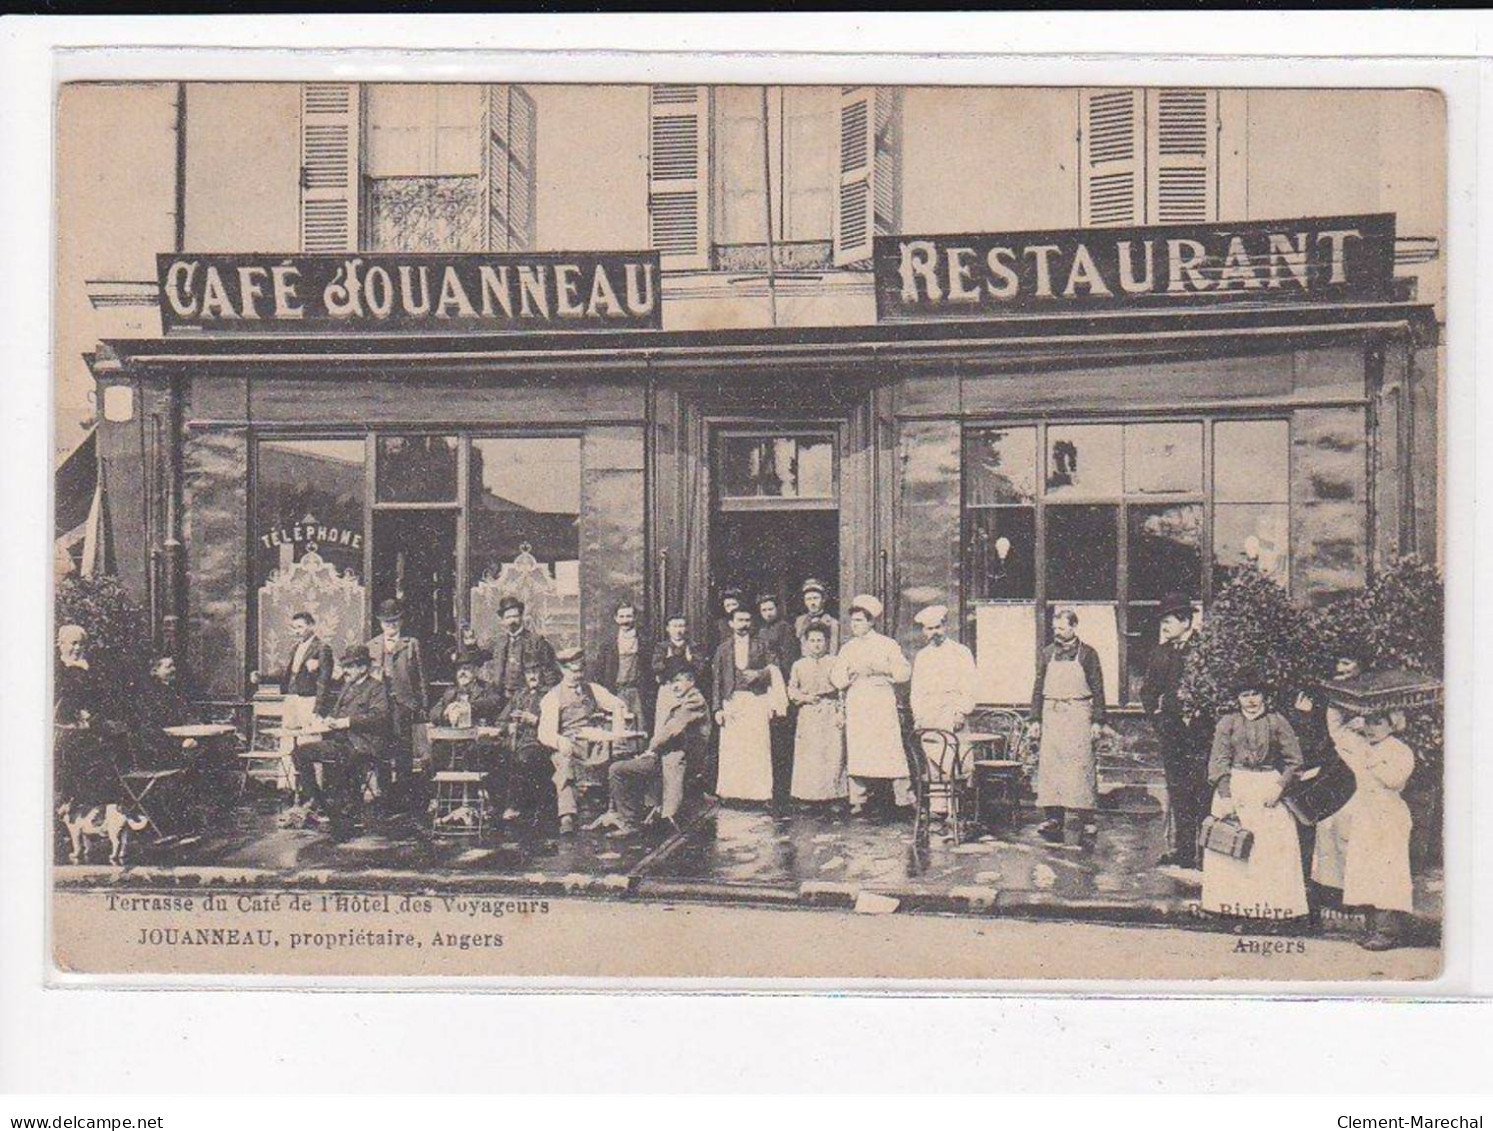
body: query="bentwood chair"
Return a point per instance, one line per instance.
(1000, 763)
(941, 776)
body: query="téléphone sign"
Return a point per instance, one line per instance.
(410, 293)
(1326, 259)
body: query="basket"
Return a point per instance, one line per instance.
(1396, 689)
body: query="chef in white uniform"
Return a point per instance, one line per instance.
(868, 668)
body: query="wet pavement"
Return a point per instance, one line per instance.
(809, 854)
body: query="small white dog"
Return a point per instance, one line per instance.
(86, 825)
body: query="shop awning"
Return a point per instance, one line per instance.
(75, 483)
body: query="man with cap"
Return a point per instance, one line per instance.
(518, 649)
(470, 702)
(397, 662)
(571, 704)
(945, 683)
(868, 669)
(1183, 742)
(655, 778)
(814, 613)
(358, 725)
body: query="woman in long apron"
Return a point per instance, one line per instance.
(819, 736)
(1067, 714)
(1255, 757)
(1372, 851)
(868, 667)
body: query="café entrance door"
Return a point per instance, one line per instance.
(414, 559)
(775, 514)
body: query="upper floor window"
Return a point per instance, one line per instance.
(417, 167)
(809, 165)
(1148, 156)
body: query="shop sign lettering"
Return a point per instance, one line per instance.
(410, 293)
(1321, 259)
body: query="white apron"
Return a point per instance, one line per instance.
(873, 731)
(819, 736)
(1366, 849)
(1269, 885)
(868, 667)
(745, 769)
(1065, 758)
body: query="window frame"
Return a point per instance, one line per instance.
(461, 505)
(1122, 500)
(723, 502)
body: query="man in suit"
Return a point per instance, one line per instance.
(358, 723)
(623, 669)
(306, 681)
(396, 661)
(1184, 746)
(676, 645)
(519, 649)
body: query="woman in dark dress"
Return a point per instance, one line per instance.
(84, 775)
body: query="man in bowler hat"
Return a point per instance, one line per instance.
(519, 649)
(396, 661)
(358, 722)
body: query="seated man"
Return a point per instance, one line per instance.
(470, 702)
(162, 704)
(682, 732)
(528, 787)
(571, 704)
(358, 731)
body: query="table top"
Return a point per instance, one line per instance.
(199, 730)
(974, 736)
(152, 775)
(296, 732)
(462, 734)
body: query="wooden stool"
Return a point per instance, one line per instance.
(460, 804)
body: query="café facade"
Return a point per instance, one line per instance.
(1093, 417)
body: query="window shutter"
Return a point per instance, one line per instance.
(1182, 156)
(1111, 158)
(512, 120)
(678, 180)
(330, 167)
(855, 190)
(886, 169)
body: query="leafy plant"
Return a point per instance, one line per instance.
(1253, 625)
(119, 646)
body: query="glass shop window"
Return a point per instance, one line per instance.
(417, 469)
(308, 541)
(1122, 514)
(524, 534)
(1251, 497)
(777, 467)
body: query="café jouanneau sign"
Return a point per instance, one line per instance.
(1327, 259)
(410, 293)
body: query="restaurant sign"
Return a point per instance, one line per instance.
(410, 293)
(1334, 258)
